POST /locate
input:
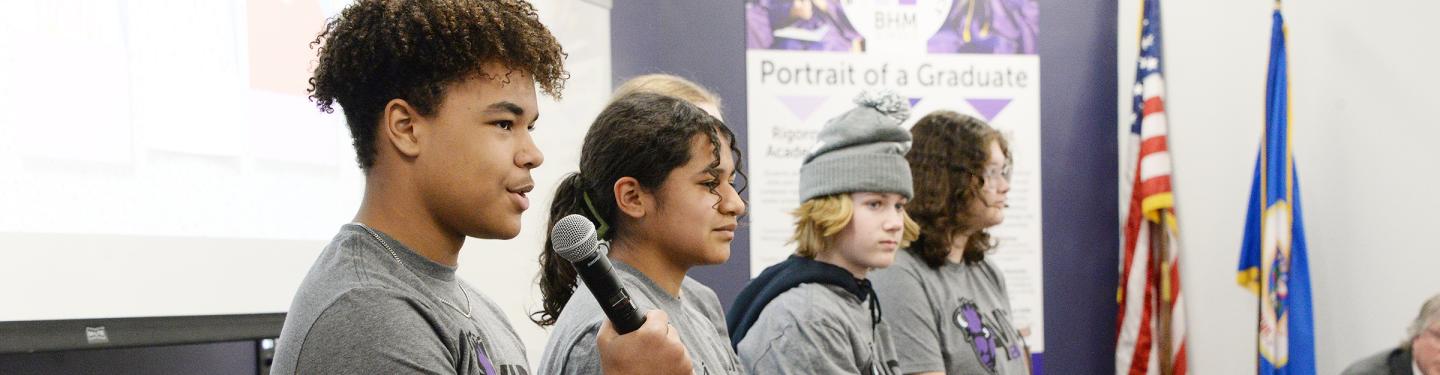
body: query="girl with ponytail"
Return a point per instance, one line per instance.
(657, 178)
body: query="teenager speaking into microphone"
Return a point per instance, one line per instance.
(440, 98)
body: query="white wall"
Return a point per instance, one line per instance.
(507, 270)
(1363, 97)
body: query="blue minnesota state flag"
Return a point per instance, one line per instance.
(1273, 262)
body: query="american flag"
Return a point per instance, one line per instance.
(1151, 314)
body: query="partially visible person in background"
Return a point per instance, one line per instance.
(1418, 354)
(674, 86)
(946, 303)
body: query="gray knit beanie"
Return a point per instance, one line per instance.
(862, 150)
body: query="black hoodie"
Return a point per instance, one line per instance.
(778, 279)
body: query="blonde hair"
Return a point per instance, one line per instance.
(668, 85)
(819, 219)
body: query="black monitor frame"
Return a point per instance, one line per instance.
(102, 333)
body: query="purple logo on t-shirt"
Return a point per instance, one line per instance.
(484, 360)
(987, 333)
(972, 323)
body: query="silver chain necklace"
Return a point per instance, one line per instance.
(372, 232)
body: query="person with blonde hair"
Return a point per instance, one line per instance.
(674, 86)
(815, 312)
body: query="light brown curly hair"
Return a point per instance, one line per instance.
(947, 160)
(376, 51)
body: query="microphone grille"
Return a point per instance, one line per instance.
(574, 238)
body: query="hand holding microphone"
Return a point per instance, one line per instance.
(654, 349)
(629, 343)
(574, 239)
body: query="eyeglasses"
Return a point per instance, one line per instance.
(993, 174)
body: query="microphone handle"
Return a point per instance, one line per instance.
(599, 276)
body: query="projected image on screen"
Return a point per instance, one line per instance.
(148, 118)
(162, 158)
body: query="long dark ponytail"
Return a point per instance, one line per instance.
(640, 135)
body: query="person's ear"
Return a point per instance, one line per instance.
(400, 128)
(632, 199)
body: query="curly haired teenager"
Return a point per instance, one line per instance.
(949, 309)
(440, 100)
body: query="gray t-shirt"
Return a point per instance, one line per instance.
(696, 315)
(955, 319)
(818, 329)
(366, 309)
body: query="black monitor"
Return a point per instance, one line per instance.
(224, 344)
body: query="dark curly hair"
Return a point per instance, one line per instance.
(947, 160)
(376, 51)
(640, 135)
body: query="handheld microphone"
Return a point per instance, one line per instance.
(574, 240)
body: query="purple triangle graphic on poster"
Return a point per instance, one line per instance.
(988, 108)
(913, 101)
(803, 106)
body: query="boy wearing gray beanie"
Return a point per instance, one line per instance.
(815, 313)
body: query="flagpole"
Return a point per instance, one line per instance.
(1259, 274)
(1158, 241)
(1261, 200)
